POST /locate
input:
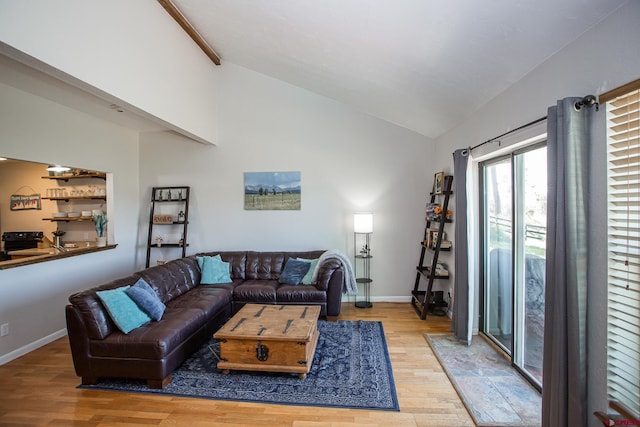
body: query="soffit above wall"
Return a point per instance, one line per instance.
(32, 76)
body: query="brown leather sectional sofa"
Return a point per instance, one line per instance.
(193, 312)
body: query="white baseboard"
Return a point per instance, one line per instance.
(392, 299)
(351, 298)
(32, 346)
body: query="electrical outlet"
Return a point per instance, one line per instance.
(4, 330)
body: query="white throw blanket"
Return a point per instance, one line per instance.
(349, 285)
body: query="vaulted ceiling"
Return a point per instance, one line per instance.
(425, 65)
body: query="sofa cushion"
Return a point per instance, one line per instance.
(213, 270)
(124, 312)
(147, 299)
(300, 294)
(172, 279)
(293, 272)
(152, 341)
(264, 265)
(257, 291)
(209, 299)
(183, 317)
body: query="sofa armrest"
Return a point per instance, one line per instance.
(331, 280)
(326, 271)
(78, 340)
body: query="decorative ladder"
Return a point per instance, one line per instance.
(421, 299)
(178, 221)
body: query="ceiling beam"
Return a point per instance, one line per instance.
(189, 29)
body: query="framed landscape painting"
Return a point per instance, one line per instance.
(272, 191)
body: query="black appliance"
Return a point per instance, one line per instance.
(16, 240)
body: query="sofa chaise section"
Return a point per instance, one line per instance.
(152, 351)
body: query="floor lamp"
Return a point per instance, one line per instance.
(363, 225)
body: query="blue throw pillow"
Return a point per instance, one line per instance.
(308, 278)
(214, 270)
(124, 312)
(147, 299)
(294, 271)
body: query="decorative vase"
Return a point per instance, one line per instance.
(101, 241)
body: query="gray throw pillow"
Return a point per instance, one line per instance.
(147, 299)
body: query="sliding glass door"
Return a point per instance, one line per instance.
(514, 206)
(498, 243)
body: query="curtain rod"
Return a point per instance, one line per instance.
(509, 132)
(587, 101)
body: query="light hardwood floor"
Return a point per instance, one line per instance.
(40, 389)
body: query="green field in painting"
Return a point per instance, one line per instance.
(256, 202)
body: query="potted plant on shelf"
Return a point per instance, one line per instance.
(101, 227)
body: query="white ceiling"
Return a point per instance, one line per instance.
(422, 64)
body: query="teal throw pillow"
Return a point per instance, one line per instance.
(147, 299)
(308, 278)
(214, 271)
(294, 271)
(124, 312)
(200, 260)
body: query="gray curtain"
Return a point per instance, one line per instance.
(460, 309)
(564, 391)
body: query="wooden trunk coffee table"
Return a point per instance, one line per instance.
(270, 338)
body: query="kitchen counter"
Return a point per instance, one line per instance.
(32, 252)
(36, 255)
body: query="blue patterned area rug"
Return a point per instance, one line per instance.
(351, 369)
(493, 392)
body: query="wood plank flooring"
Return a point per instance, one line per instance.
(39, 389)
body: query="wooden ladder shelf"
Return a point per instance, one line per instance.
(169, 213)
(421, 300)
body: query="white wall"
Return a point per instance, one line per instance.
(590, 65)
(131, 50)
(602, 59)
(32, 298)
(349, 162)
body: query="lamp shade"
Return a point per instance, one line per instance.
(363, 222)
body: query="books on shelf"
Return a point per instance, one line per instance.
(432, 239)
